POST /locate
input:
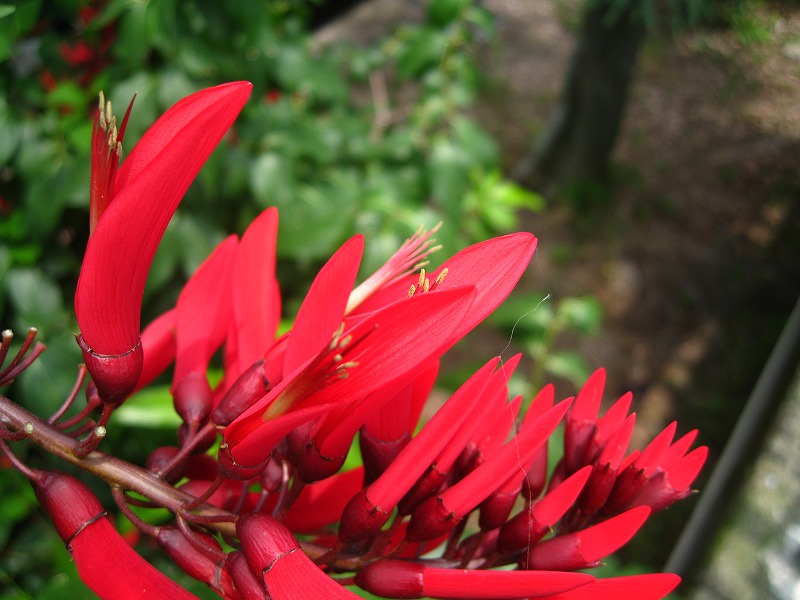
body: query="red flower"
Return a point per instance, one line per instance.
(105, 561)
(409, 579)
(131, 210)
(275, 558)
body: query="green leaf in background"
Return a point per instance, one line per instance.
(422, 48)
(150, 408)
(50, 378)
(443, 12)
(36, 300)
(568, 365)
(583, 314)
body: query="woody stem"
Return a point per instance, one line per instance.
(114, 471)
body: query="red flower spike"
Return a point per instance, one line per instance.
(323, 307)
(408, 579)
(202, 566)
(158, 346)
(256, 295)
(530, 525)
(633, 587)
(105, 561)
(492, 440)
(586, 548)
(385, 346)
(275, 555)
(247, 585)
(436, 515)
(147, 190)
(582, 420)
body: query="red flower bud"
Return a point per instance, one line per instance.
(105, 561)
(205, 566)
(407, 579)
(276, 556)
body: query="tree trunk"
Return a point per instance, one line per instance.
(576, 147)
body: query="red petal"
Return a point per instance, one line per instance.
(583, 549)
(390, 343)
(204, 311)
(634, 587)
(323, 308)
(321, 504)
(408, 579)
(150, 184)
(582, 420)
(256, 297)
(158, 346)
(274, 554)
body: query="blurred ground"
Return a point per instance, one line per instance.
(695, 251)
(695, 248)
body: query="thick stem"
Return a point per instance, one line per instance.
(113, 470)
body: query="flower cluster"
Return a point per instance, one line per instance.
(461, 506)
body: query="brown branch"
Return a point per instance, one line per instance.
(114, 471)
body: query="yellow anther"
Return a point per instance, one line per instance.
(337, 358)
(426, 286)
(344, 341)
(335, 336)
(109, 112)
(441, 277)
(421, 278)
(411, 290)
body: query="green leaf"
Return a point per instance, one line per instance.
(423, 49)
(150, 408)
(45, 384)
(443, 12)
(583, 314)
(568, 365)
(36, 299)
(271, 180)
